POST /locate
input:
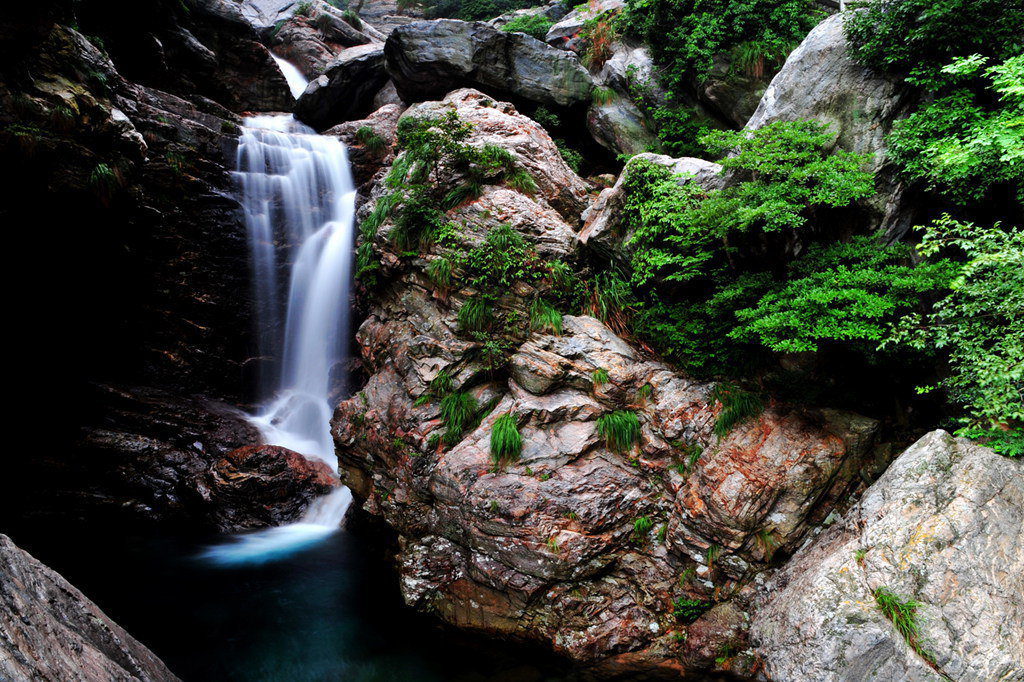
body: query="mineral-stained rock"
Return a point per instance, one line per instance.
(429, 58)
(820, 80)
(602, 228)
(567, 33)
(346, 89)
(943, 526)
(572, 544)
(365, 160)
(51, 631)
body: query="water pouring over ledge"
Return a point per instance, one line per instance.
(299, 203)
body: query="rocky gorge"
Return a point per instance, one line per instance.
(641, 525)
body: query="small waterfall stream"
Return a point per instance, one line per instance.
(299, 204)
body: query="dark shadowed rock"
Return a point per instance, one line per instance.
(346, 89)
(264, 485)
(943, 526)
(619, 127)
(51, 631)
(427, 59)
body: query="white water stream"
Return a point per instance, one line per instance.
(299, 204)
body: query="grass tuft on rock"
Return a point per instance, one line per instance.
(506, 442)
(903, 614)
(619, 429)
(544, 317)
(371, 140)
(738, 406)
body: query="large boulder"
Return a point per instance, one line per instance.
(944, 527)
(346, 89)
(499, 123)
(820, 80)
(429, 58)
(49, 630)
(572, 545)
(619, 127)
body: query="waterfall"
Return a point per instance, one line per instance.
(299, 203)
(296, 81)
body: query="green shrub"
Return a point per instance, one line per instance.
(686, 35)
(506, 442)
(619, 429)
(536, 25)
(737, 407)
(980, 325)
(547, 118)
(917, 38)
(303, 9)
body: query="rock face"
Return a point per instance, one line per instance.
(566, 34)
(821, 81)
(619, 127)
(346, 89)
(429, 58)
(311, 42)
(591, 551)
(51, 631)
(944, 526)
(367, 160)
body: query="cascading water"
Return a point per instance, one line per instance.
(296, 81)
(297, 191)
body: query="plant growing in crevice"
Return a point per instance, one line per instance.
(619, 429)
(457, 411)
(506, 442)
(599, 377)
(687, 610)
(544, 317)
(371, 140)
(105, 182)
(641, 527)
(738, 406)
(903, 615)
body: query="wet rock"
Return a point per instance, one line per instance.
(367, 160)
(430, 58)
(619, 127)
(257, 486)
(346, 89)
(942, 526)
(51, 631)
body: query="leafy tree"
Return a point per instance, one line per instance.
(687, 35)
(916, 38)
(980, 324)
(971, 138)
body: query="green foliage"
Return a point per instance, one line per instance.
(600, 377)
(304, 9)
(572, 158)
(373, 142)
(738, 406)
(440, 272)
(536, 25)
(644, 392)
(475, 314)
(687, 610)
(971, 138)
(619, 429)
(352, 19)
(506, 442)
(467, 10)
(917, 38)
(980, 325)
(549, 119)
(441, 384)
(105, 181)
(903, 614)
(457, 412)
(843, 292)
(603, 95)
(692, 264)
(544, 317)
(641, 527)
(687, 35)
